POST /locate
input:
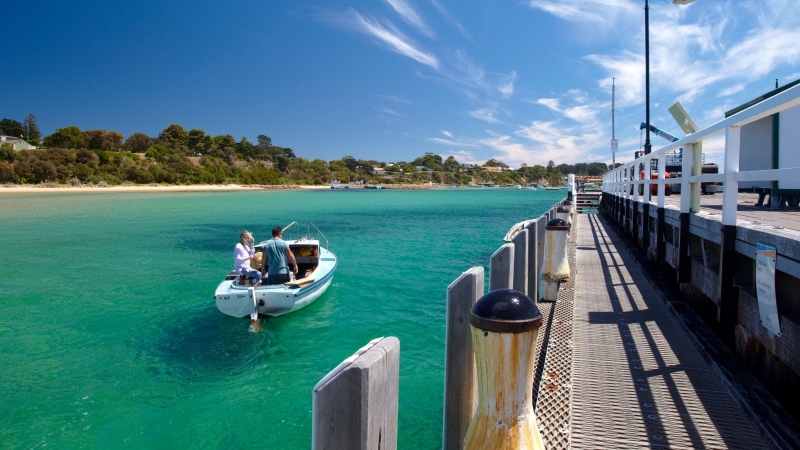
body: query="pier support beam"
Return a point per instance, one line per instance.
(684, 260)
(661, 243)
(728, 308)
(501, 268)
(460, 382)
(646, 226)
(635, 224)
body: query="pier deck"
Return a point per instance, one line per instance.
(637, 378)
(788, 217)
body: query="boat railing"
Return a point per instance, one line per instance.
(293, 231)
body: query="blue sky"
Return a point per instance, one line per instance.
(521, 81)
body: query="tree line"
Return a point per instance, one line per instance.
(178, 156)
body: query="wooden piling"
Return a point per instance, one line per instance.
(520, 275)
(501, 268)
(460, 383)
(355, 406)
(533, 257)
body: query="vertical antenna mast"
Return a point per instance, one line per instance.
(613, 135)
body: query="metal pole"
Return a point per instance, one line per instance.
(647, 146)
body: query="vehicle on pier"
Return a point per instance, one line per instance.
(316, 265)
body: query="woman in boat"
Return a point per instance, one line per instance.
(241, 258)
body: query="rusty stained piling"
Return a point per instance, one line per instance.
(460, 384)
(504, 326)
(556, 266)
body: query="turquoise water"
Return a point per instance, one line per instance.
(110, 335)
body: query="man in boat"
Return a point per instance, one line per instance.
(277, 253)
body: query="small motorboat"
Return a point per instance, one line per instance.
(315, 263)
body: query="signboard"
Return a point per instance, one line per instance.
(614, 145)
(765, 287)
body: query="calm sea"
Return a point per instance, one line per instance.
(110, 335)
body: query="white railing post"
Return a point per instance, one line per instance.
(697, 169)
(635, 184)
(662, 170)
(646, 189)
(731, 192)
(686, 172)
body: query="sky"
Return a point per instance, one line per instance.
(519, 81)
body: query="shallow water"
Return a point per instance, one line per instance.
(110, 334)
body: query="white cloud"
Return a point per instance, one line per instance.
(792, 77)
(584, 10)
(451, 143)
(506, 86)
(484, 114)
(731, 90)
(393, 39)
(447, 133)
(450, 19)
(396, 98)
(389, 111)
(410, 16)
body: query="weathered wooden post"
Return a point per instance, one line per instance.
(504, 323)
(533, 256)
(520, 275)
(460, 385)
(556, 266)
(355, 405)
(501, 268)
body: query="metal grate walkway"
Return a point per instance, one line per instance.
(637, 379)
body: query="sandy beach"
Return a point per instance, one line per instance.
(37, 189)
(41, 189)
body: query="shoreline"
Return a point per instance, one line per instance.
(41, 189)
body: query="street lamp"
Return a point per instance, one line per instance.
(647, 146)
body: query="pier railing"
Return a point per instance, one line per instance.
(624, 181)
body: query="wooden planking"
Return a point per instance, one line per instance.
(460, 384)
(520, 272)
(501, 268)
(357, 407)
(782, 263)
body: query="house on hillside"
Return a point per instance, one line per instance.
(16, 143)
(492, 169)
(379, 171)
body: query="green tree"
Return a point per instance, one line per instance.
(111, 140)
(451, 165)
(43, 170)
(174, 136)
(67, 137)
(10, 127)
(199, 142)
(7, 153)
(246, 148)
(495, 163)
(7, 174)
(137, 142)
(32, 133)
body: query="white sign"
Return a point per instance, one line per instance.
(614, 145)
(765, 286)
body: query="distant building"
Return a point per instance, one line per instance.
(493, 169)
(379, 171)
(16, 143)
(770, 143)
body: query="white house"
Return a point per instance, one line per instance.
(16, 143)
